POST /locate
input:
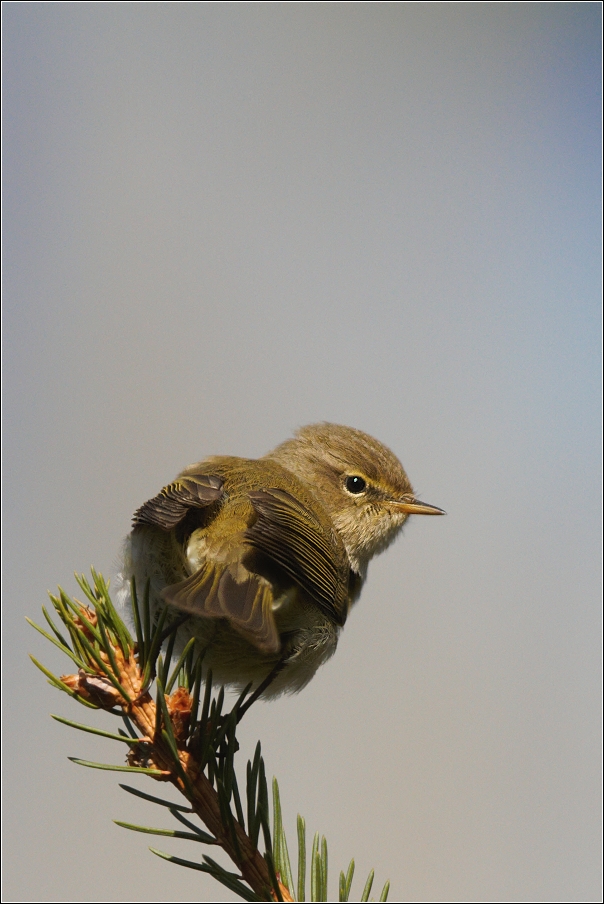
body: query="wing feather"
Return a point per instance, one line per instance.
(295, 539)
(171, 505)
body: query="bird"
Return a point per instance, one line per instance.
(267, 556)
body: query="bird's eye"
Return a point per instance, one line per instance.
(355, 484)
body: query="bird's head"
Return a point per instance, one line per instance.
(359, 481)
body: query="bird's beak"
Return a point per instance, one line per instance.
(415, 507)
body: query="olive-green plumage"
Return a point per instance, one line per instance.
(268, 555)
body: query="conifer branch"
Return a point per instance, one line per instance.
(172, 740)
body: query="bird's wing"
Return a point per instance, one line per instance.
(309, 553)
(219, 589)
(171, 505)
(229, 590)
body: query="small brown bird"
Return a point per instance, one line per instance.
(268, 555)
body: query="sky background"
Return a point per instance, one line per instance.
(223, 221)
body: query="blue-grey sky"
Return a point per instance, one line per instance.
(226, 220)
